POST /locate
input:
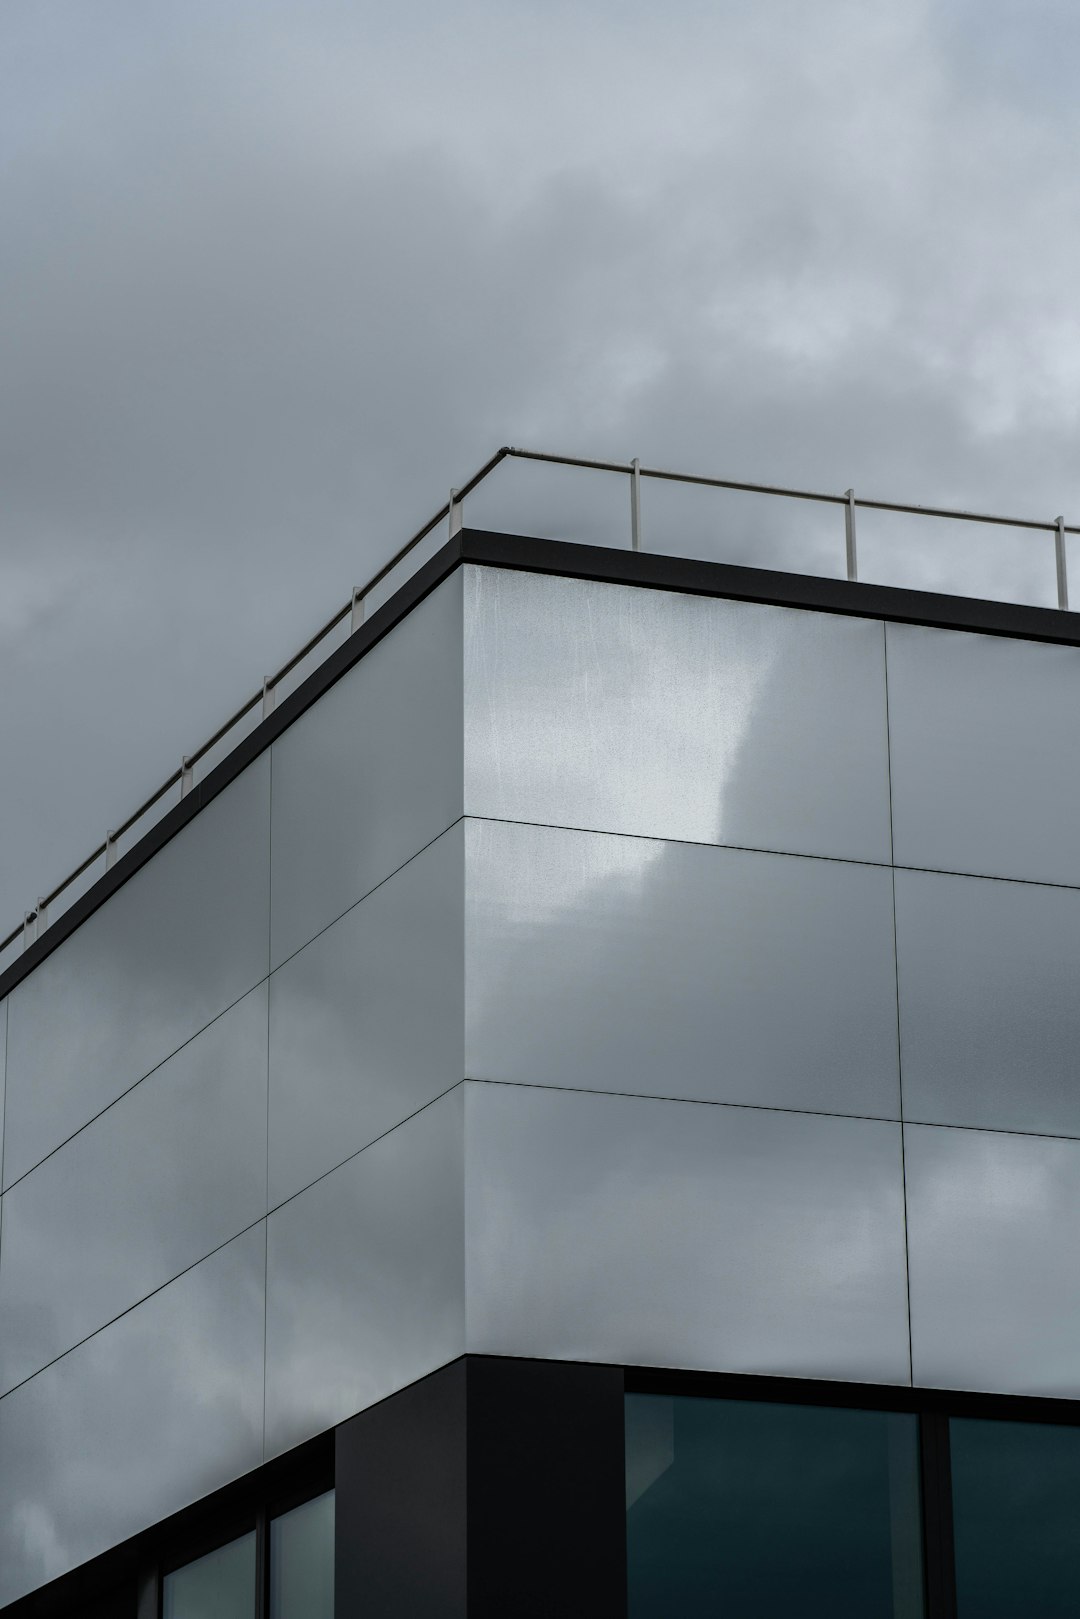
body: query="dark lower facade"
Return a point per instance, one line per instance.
(501, 1487)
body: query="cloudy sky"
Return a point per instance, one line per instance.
(275, 273)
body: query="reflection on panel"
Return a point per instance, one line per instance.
(181, 941)
(365, 1278)
(173, 1170)
(643, 711)
(159, 1409)
(3, 1074)
(985, 753)
(989, 1013)
(370, 774)
(607, 1228)
(366, 1021)
(627, 964)
(992, 1223)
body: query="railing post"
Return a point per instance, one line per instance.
(357, 610)
(187, 776)
(635, 504)
(42, 916)
(849, 534)
(456, 517)
(110, 849)
(269, 696)
(1062, 565)
(29, 929)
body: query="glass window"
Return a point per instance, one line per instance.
(1016, 1519)
(762, 1511)
(218, 1586)
(302, 1561)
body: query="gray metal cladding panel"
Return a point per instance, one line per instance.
(992, 1223)
(151, 1414)
(365, 1278)
(989, 1010)
(370, 774)
(672, 969)
(182, 940)
(366, 1021)
(171, 1171)
(621, 1229)
(618, 709)
(985, 754)
(3, 1077)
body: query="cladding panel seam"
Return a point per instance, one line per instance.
(285, 960)
(39, 1371)
(690, 1101)
(100, 1114)
(756, 1107)
(766, 849)
(899, 1036)
(253, 1225)
(225, 1010)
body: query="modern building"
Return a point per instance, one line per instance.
(577, 1113)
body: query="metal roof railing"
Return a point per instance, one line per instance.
(452, 512)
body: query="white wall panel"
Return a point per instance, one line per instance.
(171, 1171)
(155, 1412)
(989, 1009)
(985, 753)
(177, 944)
(618, 709)
(992, 1223)
(366, 1021)
(612, 1228)
(668, 969)
(365, 1278)
(370, 773)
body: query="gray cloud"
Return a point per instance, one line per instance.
(274, 276)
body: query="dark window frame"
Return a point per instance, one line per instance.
(127, 1580)
(257, 1520)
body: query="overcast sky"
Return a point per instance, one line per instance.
(274, 275)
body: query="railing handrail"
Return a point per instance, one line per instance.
(451, 510)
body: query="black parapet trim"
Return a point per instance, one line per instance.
(546, 1490)
(571, 561)
(493, 1487)
(645, 568)
(400, 1511)
(113, 1580)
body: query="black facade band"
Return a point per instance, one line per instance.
(496, 1486)
(492, 1487)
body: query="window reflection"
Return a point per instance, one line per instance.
(302, 1561)
(218, 1586)
(762, 1511)
(1016, 1519)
